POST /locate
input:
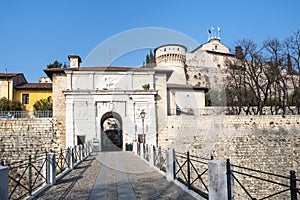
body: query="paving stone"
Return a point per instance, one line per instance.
(114, 175)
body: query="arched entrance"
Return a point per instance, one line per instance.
(111, 132)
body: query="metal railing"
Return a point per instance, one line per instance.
(62, 160)
(138, 146)
(26, 114)
(27, 175)
(160, 158)
(43, 113)
(146, 152)
(192, 172)
(247, 183)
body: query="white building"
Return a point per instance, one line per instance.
(105, 103)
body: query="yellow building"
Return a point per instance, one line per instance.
(8, 81)
(14, 86)
(29, 93)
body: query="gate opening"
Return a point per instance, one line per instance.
(111, 132)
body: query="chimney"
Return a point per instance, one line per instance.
(74, 61)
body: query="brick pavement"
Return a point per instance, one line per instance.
(114, 175)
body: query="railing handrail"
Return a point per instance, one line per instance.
(29, 174)
(26, 114)
(291, 186)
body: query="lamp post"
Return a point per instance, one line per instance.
(142, 114)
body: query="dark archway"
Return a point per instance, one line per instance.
(111, 132)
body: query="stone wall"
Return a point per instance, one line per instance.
(20, 138)
(268, 143)
(59, 106)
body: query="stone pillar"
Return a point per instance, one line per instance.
(142, 147)
(3, 182)
(70, 157)
(89, 148)
(87, 153)
(217, 179)
(134, 147)
(51, 168)
(80, 153)
(152, 155)
(171, 164)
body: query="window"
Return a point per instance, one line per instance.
(25, 98)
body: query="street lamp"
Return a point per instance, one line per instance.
(142, 114)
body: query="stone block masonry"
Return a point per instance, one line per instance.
(267, 143)
(20, 138)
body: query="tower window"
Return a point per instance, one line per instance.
(216, 47)
(25, 98)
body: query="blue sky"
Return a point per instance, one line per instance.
(35, 33)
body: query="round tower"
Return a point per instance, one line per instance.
(172, 57)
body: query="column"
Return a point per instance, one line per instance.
(51, 168)
(4, 182)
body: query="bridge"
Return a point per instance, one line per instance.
(147, 172)
(114, 175)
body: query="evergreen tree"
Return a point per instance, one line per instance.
(55, 64)
(8, 105)
(43, 104)
(150, 60)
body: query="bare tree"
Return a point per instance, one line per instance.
(292, 53)
(247, 78)
(276, 74)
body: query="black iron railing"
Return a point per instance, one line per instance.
(62, 160)
(192, 172)
(258, 185)
(138, 146)
(76, 154)
(146, 152)
(160, 158)
(27, 175)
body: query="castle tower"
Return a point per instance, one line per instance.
(172, 57)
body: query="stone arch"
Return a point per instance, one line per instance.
(111, 132)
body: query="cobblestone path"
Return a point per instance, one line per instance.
(114, 175)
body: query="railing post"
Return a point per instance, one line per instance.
(142, 150)
(217, 180)
(188, 170)
(80, 153)
(293, 185)
(170, 164)
(229, 181)
(30, 174)
(86, 149)
(152, 155)
(4, 182)
(61, 158)
(51, 168)
(70, 153)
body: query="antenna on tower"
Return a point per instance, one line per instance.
(209, 34)
(219, 30)
(214, 33)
